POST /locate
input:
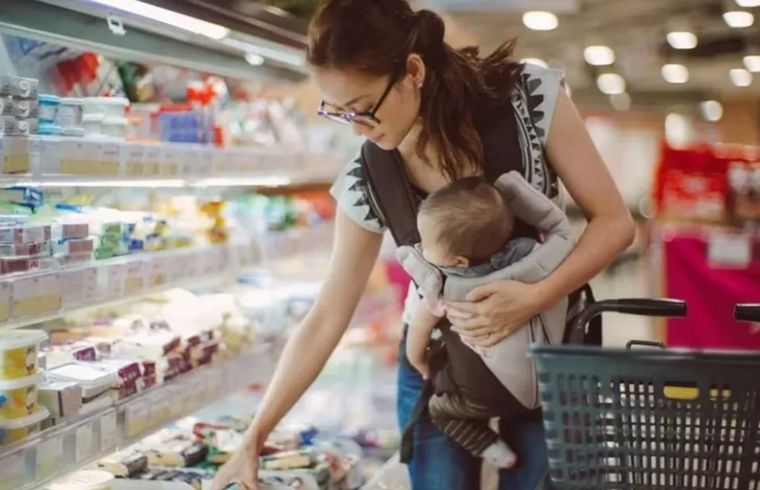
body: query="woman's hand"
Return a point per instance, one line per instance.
(494, 311)
(242, 468)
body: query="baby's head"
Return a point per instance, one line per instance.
(464, 223)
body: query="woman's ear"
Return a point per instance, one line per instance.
(415, 68)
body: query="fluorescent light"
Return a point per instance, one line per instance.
(738, 19)
(678, 130)
(147, 183)
(599, 55)
(712, 110)
(621, 102)
(254, 59)
(158, 14)
(682, 39)
(740, 77)
(748, 3)
(675, 73)
(535, 61)
(610, 83)
(539, 20)
(273, 181)
(752, 63)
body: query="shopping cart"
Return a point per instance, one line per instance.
(635, 419)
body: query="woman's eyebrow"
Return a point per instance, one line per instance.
(353, 101)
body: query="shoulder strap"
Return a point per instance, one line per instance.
(391, 191)
(502, 153)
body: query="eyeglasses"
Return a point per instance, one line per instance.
(365, 118)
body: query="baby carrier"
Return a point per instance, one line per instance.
(394, 198)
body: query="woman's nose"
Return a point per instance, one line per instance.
(360, 129)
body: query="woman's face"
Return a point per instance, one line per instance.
(353, 91)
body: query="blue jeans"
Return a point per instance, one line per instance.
(439, 463)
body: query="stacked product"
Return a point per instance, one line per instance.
(24, 247)
(19, 110)
(20, 377)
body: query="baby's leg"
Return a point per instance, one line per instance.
(466, 423)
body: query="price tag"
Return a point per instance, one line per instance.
(731, 251)
(136, 418)
(161, 412)
(50, 155)
(171, 162)
(80, 286)
(13, 470)
(134, 155)
(153, 160)
(40, 295)
(49, 456)
(116, 275)
(111, 159)
(135, 277)
(15, 154)
(108, 431)
(158, 272)
(84, 439)
(5, 301)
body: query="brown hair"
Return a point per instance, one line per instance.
(376, 37)
(472, 217)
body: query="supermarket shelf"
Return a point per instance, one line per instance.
(65, 448)
(44, 161)
(31, 298)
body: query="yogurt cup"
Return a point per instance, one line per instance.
(49, 105)
(70, 113)
(18, 397)
(115, 127)
(19, 350)
(93, 124)
(85, 480)
(16, 430)
(107, 106)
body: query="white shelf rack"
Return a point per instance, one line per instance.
(70, 446)
(46, 161)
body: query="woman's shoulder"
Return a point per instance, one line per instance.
(536, 96)
(352, 194)
(541, 78)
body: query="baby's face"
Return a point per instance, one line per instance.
(432, 244)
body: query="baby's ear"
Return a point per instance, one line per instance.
(462, 261)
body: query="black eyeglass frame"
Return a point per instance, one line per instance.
(349, 117)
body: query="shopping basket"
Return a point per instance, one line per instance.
(651, 419)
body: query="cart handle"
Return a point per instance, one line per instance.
(636, 306)
(747, 312)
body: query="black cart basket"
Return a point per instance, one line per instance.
(651, 419)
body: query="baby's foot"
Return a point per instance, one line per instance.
(499, 455)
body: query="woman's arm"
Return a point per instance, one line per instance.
(354, 254)
(499, 308)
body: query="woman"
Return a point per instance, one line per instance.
(386, 70)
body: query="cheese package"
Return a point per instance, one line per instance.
(127, 464)
(63, 399)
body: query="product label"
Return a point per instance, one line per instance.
(158, 272)
(80, 286)
(135, 280)
(108, 434)
(731, 251)
(111, 159)
(134, 154)
(15, 155)
(152, 161)
(5, 301)
(82, 157)
(136, 418)
(50, 155)
(84, 443)
(49, 456)
(172, 161)
(38, 295)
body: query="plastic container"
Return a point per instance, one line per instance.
(18, 397)
(21, 109)
(10, 126)
(106, 106)
(19, 351)
(48, 129)
(115, 127)
(93, 124)
(85, 480)
(25, 88)
(49, 105)
(70, 113)
(19, 429)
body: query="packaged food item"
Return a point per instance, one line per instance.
(10, 126)
(69, 116)
(11, 265)
(93, 124)
(45, 129)
(74, 246)
(128, 464)
(20, 109)
(288, 460)
(63, 399)
(48, 108)
(95, 380)
(19, 353)
(85, 480)
(106, 106)
(16, 430)
(12, 235)
(58, 355)
(115, 127)
(176, 452)
(18, 397)
(33, 249)
(71, 230)
(25, 88)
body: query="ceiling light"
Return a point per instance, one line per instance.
(621, 102)
(599, 55)
(175, 19)
(712, 110)
(254, 59)
(740, 77)
(748, 3)
(535, 61)
(738, 19)
(678, 129)
(675, 73)
(752, 63)
(610, 83)
(288, 56)
(682, 39)
(539, 20)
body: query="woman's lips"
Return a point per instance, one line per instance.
(377, 139)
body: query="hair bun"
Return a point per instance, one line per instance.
(429, 41)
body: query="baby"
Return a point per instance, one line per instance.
(467, 230)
